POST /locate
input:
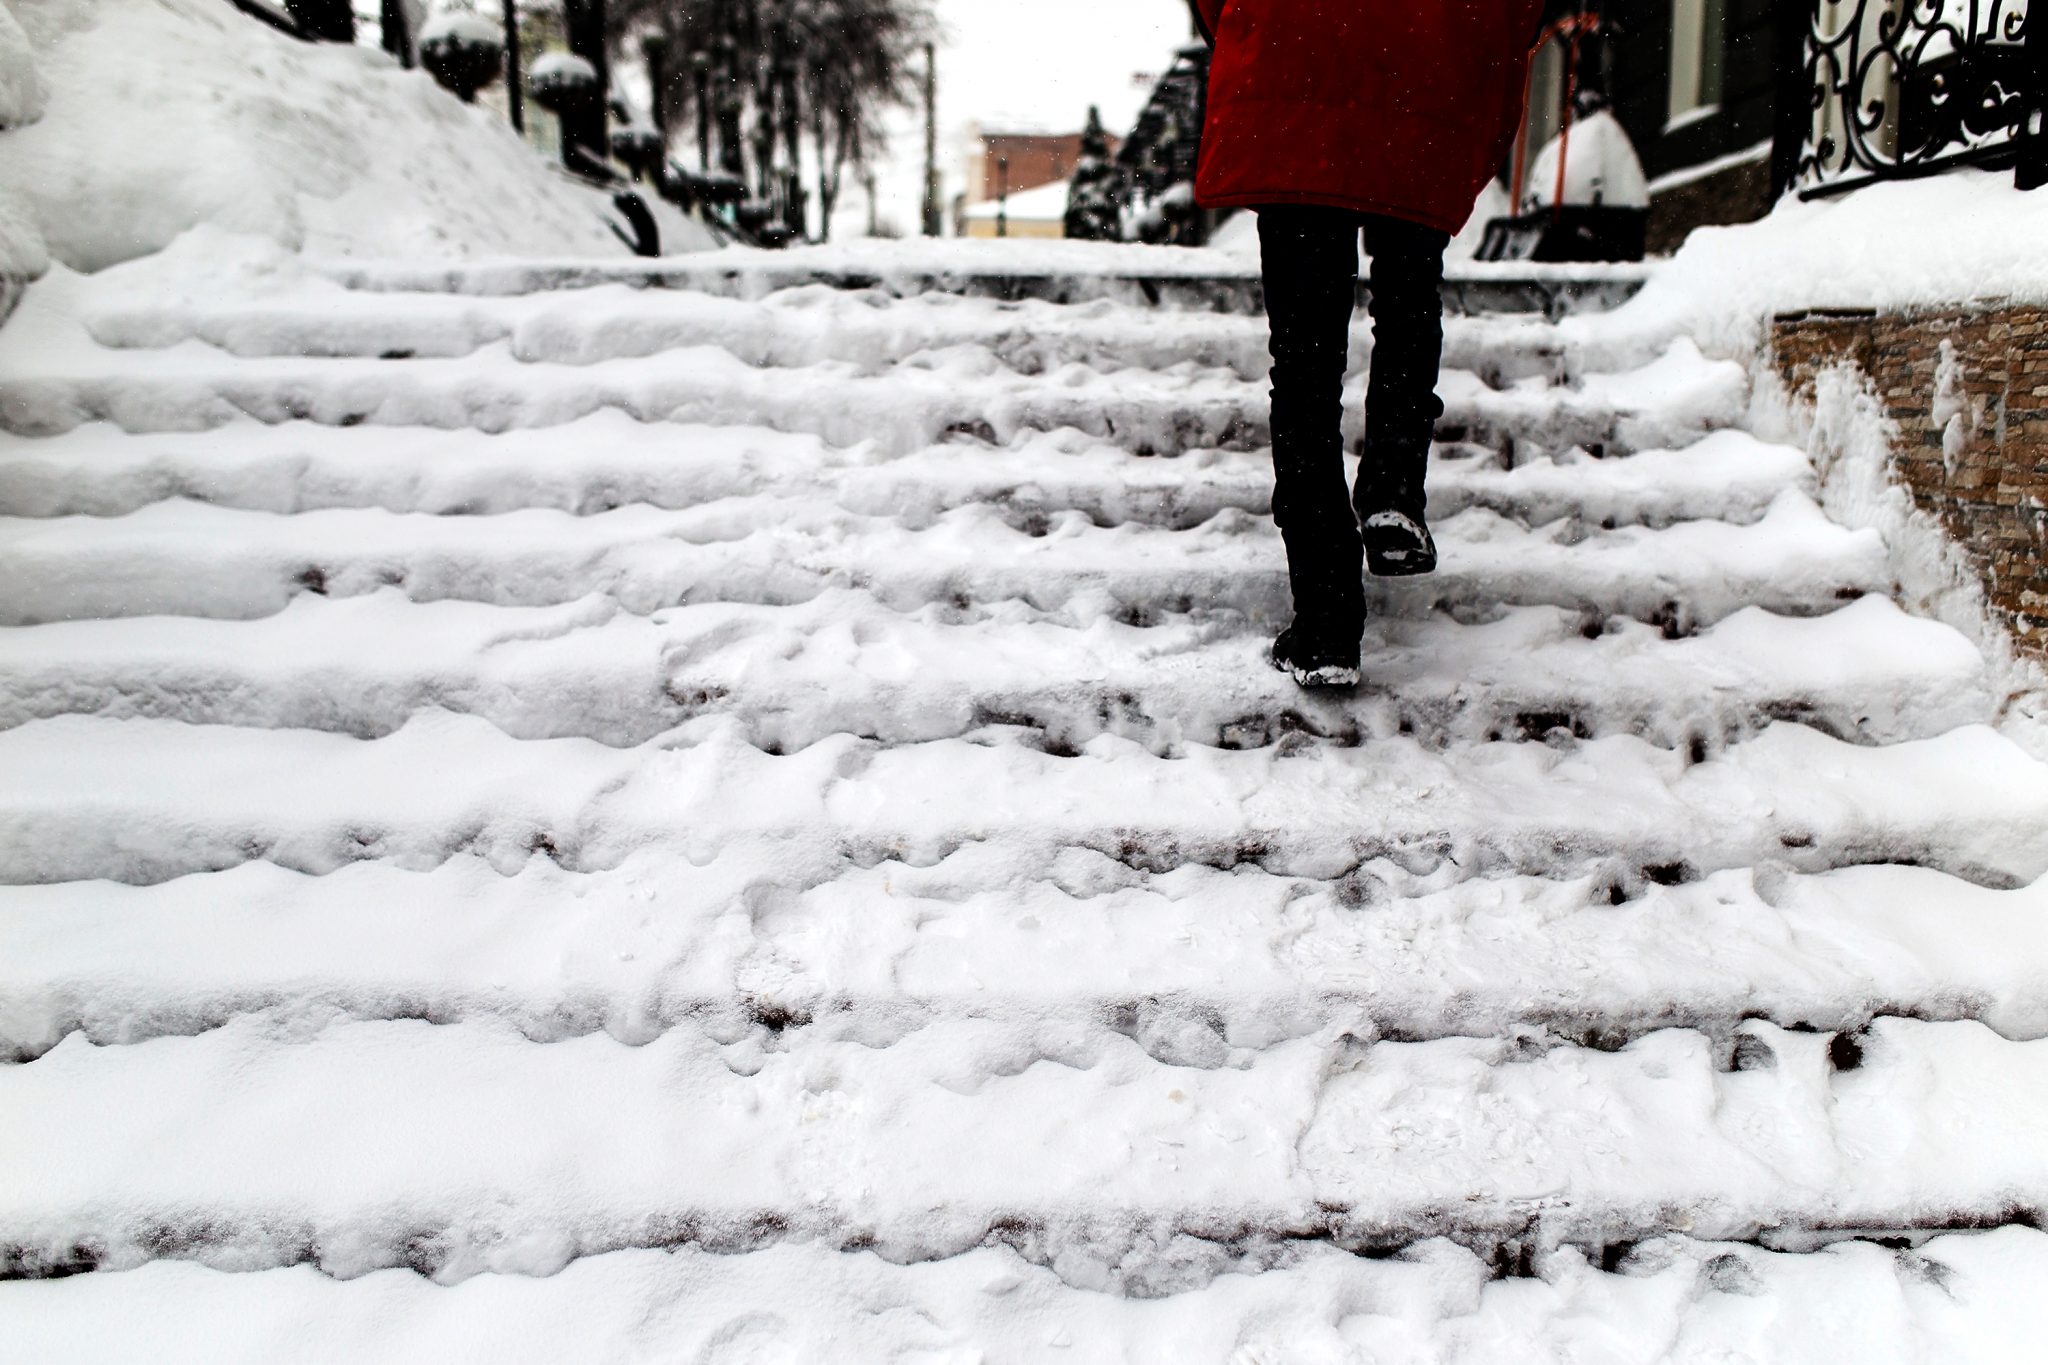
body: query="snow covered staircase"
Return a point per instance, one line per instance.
(770, 812)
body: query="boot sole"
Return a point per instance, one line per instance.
(1328, 676)
(1400, 568)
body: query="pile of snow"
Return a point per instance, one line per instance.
(166, 114)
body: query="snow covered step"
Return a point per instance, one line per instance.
(465, 1148)
(798, 327)
(145, 800)
(1174, 280)
(185, 558)
(870, 329)
(1670, 1298)
(1195, 964)
(1672, 400)
(608, 460)
(794, 676)
(843, 662)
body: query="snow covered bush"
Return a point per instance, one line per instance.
(464, 52)
(559, 78)
(165, 114)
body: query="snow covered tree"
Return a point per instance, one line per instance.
(1096, 194)
(777, 87)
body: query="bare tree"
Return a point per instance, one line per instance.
(775, 72)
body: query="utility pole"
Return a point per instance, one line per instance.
(932, 221)
(1002, 196)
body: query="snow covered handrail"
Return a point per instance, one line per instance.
(1902, 88)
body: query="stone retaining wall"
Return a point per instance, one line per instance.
(1969, 391)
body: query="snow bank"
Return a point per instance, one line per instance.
(1951, 239)
(1942, 242)
(166, 114)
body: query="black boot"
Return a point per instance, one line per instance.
(1401, 406)
(1390, 502)
(1325, 662)
(1324, 569)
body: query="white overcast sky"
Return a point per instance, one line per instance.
(1035, 62)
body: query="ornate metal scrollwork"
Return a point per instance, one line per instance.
(1908, 87)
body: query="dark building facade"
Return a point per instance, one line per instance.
(1695, 83)
(1730, 102)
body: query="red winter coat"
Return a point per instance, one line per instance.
(1398, 107)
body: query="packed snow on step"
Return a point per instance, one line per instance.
(1200, 965)
(616, 820)
(1674, 1299)
(58, 376)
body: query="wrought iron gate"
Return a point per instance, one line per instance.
(1900, 88)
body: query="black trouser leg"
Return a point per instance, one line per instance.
(1401, 406)
(1309, 259)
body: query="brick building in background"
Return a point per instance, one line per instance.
(1035, 157)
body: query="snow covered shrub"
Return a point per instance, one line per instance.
(559, 80)
(464, 52)
(638, 148)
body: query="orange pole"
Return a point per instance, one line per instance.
(1521, 142)
(1564, 129)
(1574, 25)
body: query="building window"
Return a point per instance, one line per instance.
(1699, 50)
